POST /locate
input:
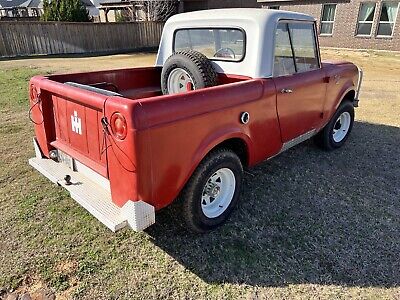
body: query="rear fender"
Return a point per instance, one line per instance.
(212, 142)
(121, 153)
(218, 138)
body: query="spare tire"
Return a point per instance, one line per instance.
(185, 71)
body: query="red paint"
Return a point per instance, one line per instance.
(300, 110)
(155, 142)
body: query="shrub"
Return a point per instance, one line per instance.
(65, 10)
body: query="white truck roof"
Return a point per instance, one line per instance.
(259, 25)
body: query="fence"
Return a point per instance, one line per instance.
(35, 38)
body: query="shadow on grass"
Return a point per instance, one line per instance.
(306, 216)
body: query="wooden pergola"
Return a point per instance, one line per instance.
(106, 7)
(135, 8)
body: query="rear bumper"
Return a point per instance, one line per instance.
(95, 198)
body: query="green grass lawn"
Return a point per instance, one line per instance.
(310, 225)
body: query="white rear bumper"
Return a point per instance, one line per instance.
(95, 198)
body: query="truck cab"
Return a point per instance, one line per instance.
(230, 88)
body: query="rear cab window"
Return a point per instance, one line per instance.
(227, 44)
(295, 48)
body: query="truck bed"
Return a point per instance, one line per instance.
(76, 121)
(135, 83)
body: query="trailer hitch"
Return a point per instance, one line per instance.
(67, 179)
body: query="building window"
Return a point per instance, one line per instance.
(366, 18)
(327, 19)
(387, 18)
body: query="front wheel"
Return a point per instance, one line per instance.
(213, 191)
(336, 132)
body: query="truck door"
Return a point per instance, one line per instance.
(299, 79)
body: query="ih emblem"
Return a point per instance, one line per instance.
(76, 123)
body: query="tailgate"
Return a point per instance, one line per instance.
(79, 132)
(74, 116)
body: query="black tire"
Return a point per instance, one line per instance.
(324, 138)
(192, 194)
(196, 64)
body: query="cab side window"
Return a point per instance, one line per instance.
(295, 48)
(283, 60)
(304, 46)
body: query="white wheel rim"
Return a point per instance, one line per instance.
(341, 127)
(179, 81)
(218, 193)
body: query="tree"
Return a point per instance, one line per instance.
(157, 10)
(123, 15)
(65, 10)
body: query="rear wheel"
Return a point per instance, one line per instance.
(336, 132)
(213, 191)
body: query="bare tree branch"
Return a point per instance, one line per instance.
(156, 10)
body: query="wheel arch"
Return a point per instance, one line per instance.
(238, 146)
(348, 96)
(345, 95)
(238, 142)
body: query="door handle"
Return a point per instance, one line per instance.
(286, 91)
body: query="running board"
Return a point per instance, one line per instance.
(298, 140)
(293, 142)
(95, 198)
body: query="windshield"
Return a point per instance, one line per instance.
(215, 43)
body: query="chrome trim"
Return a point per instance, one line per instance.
(244, 117)
(359, 82)
(286, 91)
(297, 140)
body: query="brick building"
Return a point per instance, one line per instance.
(358, 24)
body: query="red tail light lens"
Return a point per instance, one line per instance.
(119, 127)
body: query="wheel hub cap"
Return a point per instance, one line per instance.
(179, 81)
(341, 127)
(218, 193)
(212, 190)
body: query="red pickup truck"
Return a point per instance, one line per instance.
(230, 89)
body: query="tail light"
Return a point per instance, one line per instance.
(119, 127)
